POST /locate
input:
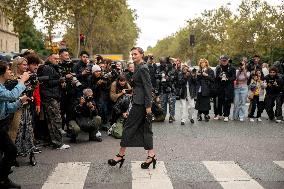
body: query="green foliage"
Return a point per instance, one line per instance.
(30, 38)
(110, 29)
(256, 28)
(109, 25)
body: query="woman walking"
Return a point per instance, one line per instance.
(138, 128)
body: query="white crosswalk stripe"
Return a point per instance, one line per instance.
(70, 175)
(230, 175)
(150, 178)
(280, 163)
(226, 174)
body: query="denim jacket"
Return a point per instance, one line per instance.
(9, 100)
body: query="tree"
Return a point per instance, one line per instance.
(256, 28)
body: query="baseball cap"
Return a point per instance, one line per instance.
(224, 57)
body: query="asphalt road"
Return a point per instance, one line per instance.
(211, 155)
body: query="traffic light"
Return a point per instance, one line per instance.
(82, 39)
(192, 40)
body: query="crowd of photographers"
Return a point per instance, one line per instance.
(43, 101)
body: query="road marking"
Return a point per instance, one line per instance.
(230, 175)
(280, 163)
(150, 178)
(71, 175)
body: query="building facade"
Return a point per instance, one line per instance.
(9, 40)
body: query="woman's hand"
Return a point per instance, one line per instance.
(149, 110)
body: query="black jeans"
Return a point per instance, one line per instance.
(8, 148)
(224, 105)
(255, 103)
(270, 101)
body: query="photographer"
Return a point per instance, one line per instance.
(83, 69)
(167, 81)
(187, 93)
(205, 77)
(241, 91)
(33, 63)
(9, 103)
(21, 130)
(87, 116)
(129, 73)
(254, 64)
(225, 77)
(50, 92)
(273, 94)
(100, 85)
(120, 92)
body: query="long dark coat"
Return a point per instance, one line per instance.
(203, 90)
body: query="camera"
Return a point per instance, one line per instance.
(128, 91)
(223, 76)
(65, 67)
(89, 67)
(88, 99)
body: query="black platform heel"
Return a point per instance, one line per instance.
(146, 165)
(112, 162)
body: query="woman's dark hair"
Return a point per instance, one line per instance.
(3, 67)
(139, 49)
(274, 69)
(33, 59)
(122, 77)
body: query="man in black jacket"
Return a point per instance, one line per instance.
(225, 77)
(83, 69)
(50, 91)
(273, 94)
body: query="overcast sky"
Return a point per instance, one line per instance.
(160, 18)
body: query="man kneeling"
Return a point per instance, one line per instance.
(87, 118)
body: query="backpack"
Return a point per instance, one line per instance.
(116, 129)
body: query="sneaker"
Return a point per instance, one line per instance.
(182, 122)
(98, 134)
(216, 117)
(226, 119)
(98, 139)
(259, 120)
(63, 147)
(171, 119)
(191, 120)
(251, 119)
(7, 183)
(278, 120)
(207, 118)
(241, 119)
(199, 118)
(37, 150)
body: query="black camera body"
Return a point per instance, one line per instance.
(65, 68)
(88, 99)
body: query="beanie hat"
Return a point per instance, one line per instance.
(96, 68)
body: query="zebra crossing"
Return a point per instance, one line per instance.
(203, 174)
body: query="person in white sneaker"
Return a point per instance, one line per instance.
(274, 94)
(225, 77)
(241, 91)
(256, 96)
(188, 93)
